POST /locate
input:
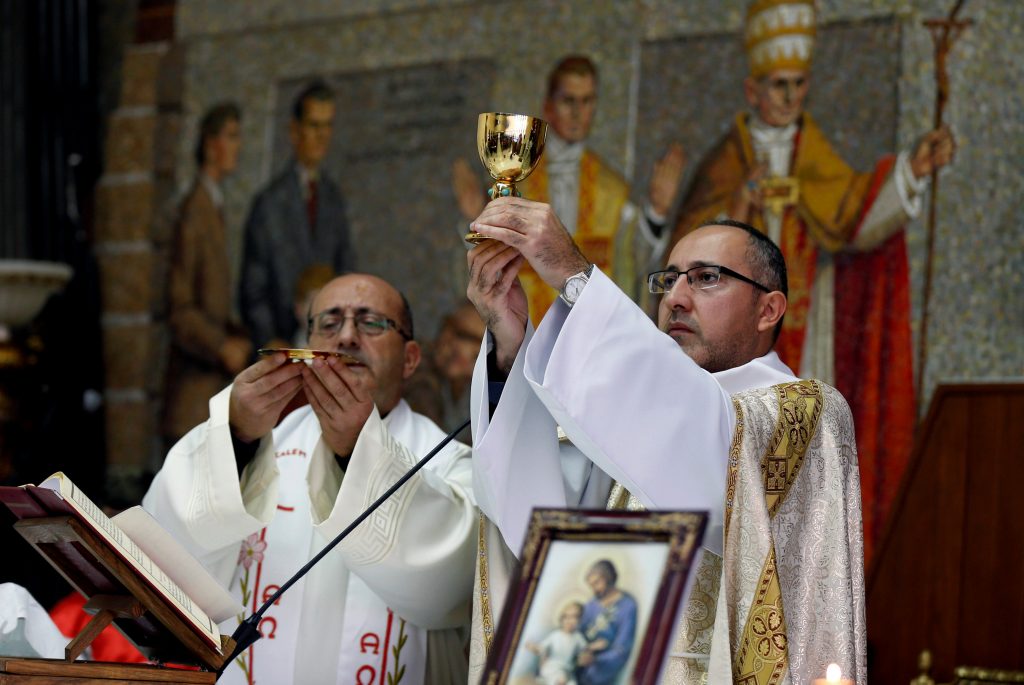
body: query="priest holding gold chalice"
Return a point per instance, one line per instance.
(253, 497)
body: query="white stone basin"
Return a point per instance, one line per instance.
(25, 286)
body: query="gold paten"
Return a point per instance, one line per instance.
(779, 192)
(510, 145)
(302, 355)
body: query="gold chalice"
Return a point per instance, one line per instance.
(510, 145)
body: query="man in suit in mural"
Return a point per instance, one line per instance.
(207, 346)
(591, 198)
(841, 233)
(296, 221)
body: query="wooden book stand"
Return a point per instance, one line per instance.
(115, 594)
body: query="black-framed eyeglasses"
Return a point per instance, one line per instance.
(329, 323)
(699, 278)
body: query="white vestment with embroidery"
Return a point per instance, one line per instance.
(643, 414)
(395, 595)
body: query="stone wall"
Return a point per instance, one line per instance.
(131, 240)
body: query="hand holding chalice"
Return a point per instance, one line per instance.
(510, 145)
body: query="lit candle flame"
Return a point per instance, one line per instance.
(833, 674)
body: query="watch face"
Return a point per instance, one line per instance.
(573, 288)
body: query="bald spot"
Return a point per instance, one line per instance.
(360, 290)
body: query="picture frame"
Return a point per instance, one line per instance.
(596, 596)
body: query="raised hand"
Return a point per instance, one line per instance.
(933, 151)
(260, 393)
(495, 291)
(468, 191)
(234, 353)
(665, 179)
(534, 230)
(342, 400)
(748, 198)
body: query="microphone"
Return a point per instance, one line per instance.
(248, 630)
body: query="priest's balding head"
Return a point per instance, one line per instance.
(367, 318)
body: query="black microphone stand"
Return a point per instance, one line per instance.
(248, 630)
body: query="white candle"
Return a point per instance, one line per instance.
(833, 676)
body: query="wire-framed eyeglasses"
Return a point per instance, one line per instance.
(699, 278)
(329, 323)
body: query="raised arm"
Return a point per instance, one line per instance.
(201, 496)
(622, 390)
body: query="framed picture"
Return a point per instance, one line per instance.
(596, 597)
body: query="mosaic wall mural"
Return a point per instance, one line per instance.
(669, 70)
(397, 133)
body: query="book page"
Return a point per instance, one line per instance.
(182, 567)
(62, 486)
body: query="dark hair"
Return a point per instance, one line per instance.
(768, 266)
(317, 90)
(212, 124)
(573, 64)
(605, 568)
(406, 318)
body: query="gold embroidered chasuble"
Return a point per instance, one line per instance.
(792, 574)
(789, 588)
(603, 195)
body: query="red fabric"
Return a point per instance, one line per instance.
(311, 205)
(109, 645)
(874, 364)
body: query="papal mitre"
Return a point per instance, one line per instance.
(779, 35)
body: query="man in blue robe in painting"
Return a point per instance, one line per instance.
(609, 624)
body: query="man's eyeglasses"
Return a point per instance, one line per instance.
(329, 323)
(698, 278)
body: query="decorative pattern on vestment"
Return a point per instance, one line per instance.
(761, 657)
(484, 600)
(734, 465)
(379, 532)
(799, 410)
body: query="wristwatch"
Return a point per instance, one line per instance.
(574, 286)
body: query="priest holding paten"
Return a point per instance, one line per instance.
(254, 499)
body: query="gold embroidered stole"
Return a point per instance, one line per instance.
(484, 598)
(760, 655)
(602, 196)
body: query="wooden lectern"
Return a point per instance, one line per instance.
(116, 593)
(949, 572)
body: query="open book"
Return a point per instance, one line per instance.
(137, 539)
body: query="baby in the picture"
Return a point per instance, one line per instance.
(559, 650)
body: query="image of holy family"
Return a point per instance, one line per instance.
(576, 641)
